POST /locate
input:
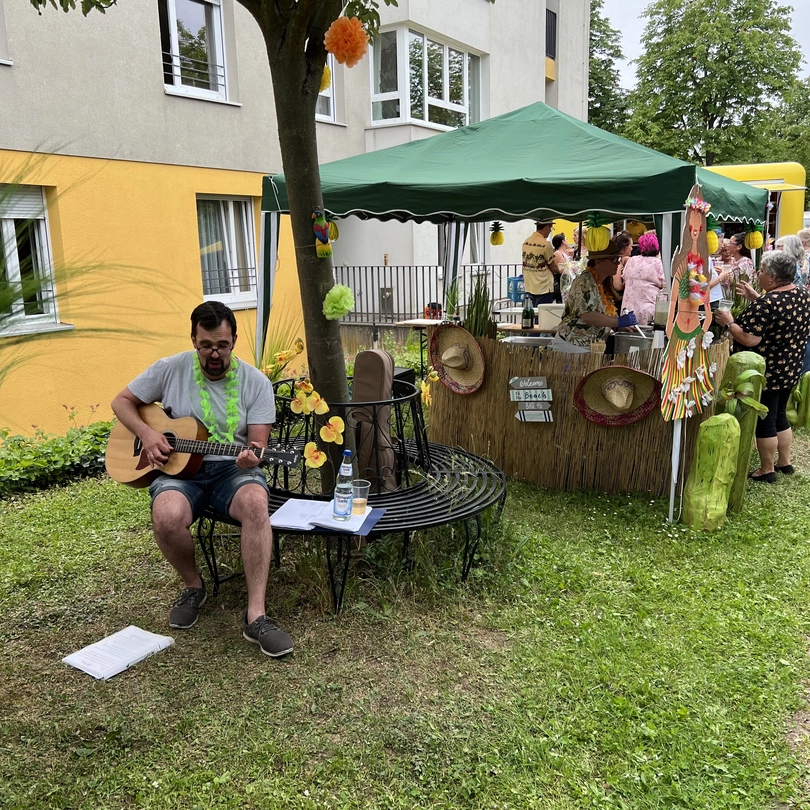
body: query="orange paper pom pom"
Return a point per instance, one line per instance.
(347, 40)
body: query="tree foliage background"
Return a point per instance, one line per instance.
(607, 101)
(717, 82)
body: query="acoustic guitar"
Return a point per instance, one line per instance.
(126, 460)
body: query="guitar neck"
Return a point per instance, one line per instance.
(211, 448)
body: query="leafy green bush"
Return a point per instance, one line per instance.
(43, 460)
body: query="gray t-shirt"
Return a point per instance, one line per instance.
(171, 381)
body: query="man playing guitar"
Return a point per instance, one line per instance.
(235, 403)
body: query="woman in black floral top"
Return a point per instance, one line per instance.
(776, 325)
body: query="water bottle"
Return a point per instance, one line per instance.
(342, 502)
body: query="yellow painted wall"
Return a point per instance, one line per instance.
(127, 232)
(791, 204)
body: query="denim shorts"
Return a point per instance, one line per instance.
(215, 484)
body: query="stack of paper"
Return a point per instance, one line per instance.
(117, 652)
(305, 515)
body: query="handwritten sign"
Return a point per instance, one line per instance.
(528, 382)
(531, 395)
(534, 416)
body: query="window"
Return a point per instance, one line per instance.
(191, 41)
(227, 250)
(551, 34)
(27, 298)
(325, 106)
(439, 83)
(385, 100)
(5, 56)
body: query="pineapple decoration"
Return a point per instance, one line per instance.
(753, 236)
(597, 236)
(320, 228)
(496, 233)
(636, 228)
(712, 239)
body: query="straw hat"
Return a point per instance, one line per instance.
(457, 358)
(617, 395)
(610, 252)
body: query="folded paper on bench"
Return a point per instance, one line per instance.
(306, 515)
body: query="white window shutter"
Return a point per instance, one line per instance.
(21, 202)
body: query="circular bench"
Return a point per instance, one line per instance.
(420, 485)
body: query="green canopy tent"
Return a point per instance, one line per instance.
(532, 163)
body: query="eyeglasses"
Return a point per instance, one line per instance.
(223, 350)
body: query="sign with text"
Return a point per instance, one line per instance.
(528, 382)
(531, 395)
(534, 406)
(534, 416)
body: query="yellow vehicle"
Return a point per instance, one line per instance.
(786, 184)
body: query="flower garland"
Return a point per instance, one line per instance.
(699, 205)
(231, 402)
(607, 299)
(695, 283)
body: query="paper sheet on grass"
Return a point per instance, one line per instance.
(117, 652)
(299, 513)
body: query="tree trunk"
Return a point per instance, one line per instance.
(296, 65)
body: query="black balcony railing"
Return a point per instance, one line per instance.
(384, 294)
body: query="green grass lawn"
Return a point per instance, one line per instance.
(599, 657)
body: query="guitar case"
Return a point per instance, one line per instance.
(374, 381)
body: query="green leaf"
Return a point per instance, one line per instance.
(761, 409)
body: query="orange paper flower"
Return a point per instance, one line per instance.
(316, 403)
(313, 456)
(332, 431)
(347, 40)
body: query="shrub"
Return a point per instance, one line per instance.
(42, 460)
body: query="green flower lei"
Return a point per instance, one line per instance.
(231, 402)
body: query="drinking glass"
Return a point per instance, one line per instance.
(360, 488)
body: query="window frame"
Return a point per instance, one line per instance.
(177, 87)
(404, 36)
(241, 299)
(329, 93)
(551, 34)
(17, 322)
(402, 81)
(5, 54)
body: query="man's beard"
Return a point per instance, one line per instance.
(215, 367)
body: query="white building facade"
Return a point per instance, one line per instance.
(440, 65)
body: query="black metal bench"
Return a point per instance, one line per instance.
(435, 485)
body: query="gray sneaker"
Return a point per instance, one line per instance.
(266, 633)
(186, 609)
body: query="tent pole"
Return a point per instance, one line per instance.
(265, 277)
(666, 250)
(676, 457)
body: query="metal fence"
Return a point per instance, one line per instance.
(387, 294)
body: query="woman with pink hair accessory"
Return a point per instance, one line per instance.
(643, 279)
